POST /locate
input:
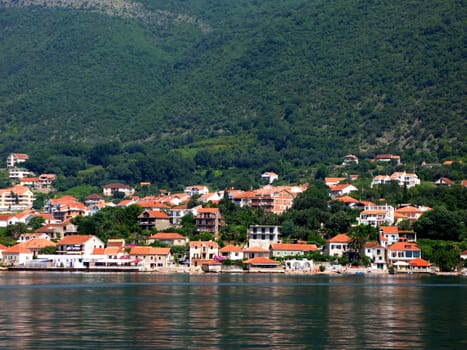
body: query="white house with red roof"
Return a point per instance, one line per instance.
(350, 159)
(202, 250)
(401, 253)
(153, 219)
(16, 255)
(387, 158)
(151, 257)
(341, 190)
(231, 252)
(112, 188)
(16, 198)
(16, 158)
(444, 181)
(281, 250)
(79, 245)
(410, 213)
(255, 252)
(337, 245)
(380, 180)
(332, 181)
(270, 176)
(377, 255)
(24, 253)
(405, 179)
(65, 208)
(213, 197)
(169, 238)
(196, 190)
(376, 215)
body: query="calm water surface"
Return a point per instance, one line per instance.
(150, 311)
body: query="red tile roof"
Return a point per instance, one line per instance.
(149, 251)
(372, 245)
(38, 243)
(255, 249)
(403, 246)
(346, 199)
(389, 229)
(17, 249)
(261, 261)
(208, 210)
(294, 247)
(167, 236)
(419, 262)
(205, 243)
(340, 238)
(230, 249)
(74, 239)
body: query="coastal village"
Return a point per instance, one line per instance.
(57, 245)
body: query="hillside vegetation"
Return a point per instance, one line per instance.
(178, 91)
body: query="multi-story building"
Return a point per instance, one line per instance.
(209, 220)
(377, 255)
(376, 215)
(16, 158)
(263, 235)
(202, 250)
(79, 244)
(337, 245)
(16, 198)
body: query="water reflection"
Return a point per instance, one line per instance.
(120, 311)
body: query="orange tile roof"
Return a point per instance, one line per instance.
(346, 199)
(38, 243)
(139, 250)
(230, 249)
(157, 214)
(17, 249)
(340, 187)
(74, 239)
(167, 235)
(21, 155)
(208, 210)
(210, 262)
(98, 251)
(372, 245)
(3, 247)
(340, 238)
(389, 229)
(255, 249)
(334, 179)
(116, 185)
(375, 212)
(419, 262)
(403, 246)
(294, 247)
(261, 261)
(18, 189)
(206, 243)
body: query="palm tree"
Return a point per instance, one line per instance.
(358, 239)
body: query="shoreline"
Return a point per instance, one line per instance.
(196, 271)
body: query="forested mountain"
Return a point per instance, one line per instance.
(176, 91)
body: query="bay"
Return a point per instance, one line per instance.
(41, 310)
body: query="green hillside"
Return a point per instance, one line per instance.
(176, 91)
